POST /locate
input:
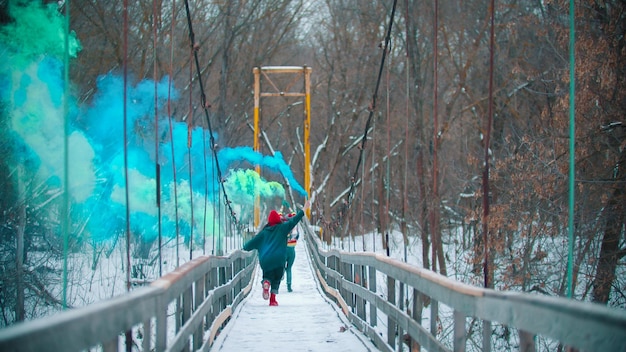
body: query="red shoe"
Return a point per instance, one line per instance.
(273, 300)
(266, 289)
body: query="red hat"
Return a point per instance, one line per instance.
(274, 218)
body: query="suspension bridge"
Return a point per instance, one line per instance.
(343, 301)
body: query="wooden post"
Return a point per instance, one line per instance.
(434, 313)
(391, 323)
(372, 286)
(459, 331)
(526, 341)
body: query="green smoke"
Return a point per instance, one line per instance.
(36, 30)
(242, 186)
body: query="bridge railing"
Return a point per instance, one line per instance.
(351, 278)
(182, 310)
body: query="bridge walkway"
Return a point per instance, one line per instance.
(304, 320)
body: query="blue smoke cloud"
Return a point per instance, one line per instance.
(32, 96)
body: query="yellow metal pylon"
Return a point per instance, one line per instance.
(267, 71)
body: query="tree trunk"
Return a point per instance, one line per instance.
(610, 253)
(443, 270)
(382, 226)
(423, 211)
(223, 81)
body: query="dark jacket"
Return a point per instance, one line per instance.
(271, 242)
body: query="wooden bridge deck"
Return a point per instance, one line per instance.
(304, 320)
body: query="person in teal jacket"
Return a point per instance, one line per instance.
(291, 256)
(271, 243)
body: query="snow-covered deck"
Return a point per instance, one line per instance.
(305, 319)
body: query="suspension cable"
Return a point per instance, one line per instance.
(219, 230)
(361, 204)
(434, 214)
(388, 166)
(205, 107)
(405, 195)
(156, 133)
(66, 185)
(206, 192)
(373, 185)
(171, 134)
(403, 224)
(192, 222)
(128, 334)
(572, 142)
(125, 113)
(216, 199)
(189, 159)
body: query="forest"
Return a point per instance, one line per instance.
(418, 110)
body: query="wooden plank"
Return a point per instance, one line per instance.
(82, 328)
(372, 287)
(111, 345)
(331, 291)
(219, 321)
(584, 325)
(147, 334)
(359, 279)
(283, 94)
(526, 341)
(198, 299)
(459, 331)
(161, 325)
(486, 336)
(434, 314)
(284, 69)
(391, 322)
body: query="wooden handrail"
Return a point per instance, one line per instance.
(219, 283)
(201, 295)
(582, 325)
